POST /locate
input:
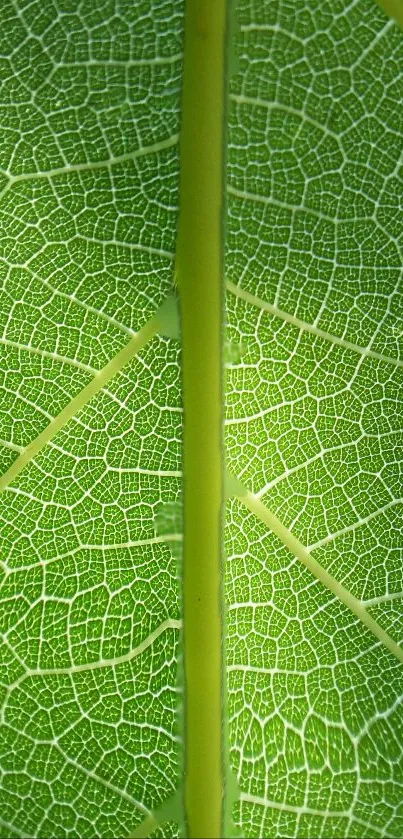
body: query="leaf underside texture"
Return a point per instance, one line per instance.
(90, 615)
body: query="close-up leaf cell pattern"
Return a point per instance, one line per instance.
(91, 419)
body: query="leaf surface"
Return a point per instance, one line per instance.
(314, 423)
(89, 599)
(90, 534)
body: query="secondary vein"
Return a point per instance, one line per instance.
(100, 379)
(308, 327)
(255, 505)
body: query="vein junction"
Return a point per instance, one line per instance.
(100, 379)
(256, 506)
(165, 321)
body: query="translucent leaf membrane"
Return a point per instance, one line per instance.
(89, 610)
(313, 418)
(89, 605)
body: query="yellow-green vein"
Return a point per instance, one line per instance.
(256, 506)
(303, 326)
(100, 379)
(199, 269)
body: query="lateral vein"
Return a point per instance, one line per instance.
(145, 828)
(299, 810)
(255, 505)
(169, 623)
(100, 379)
(308, 327)
(162, 145)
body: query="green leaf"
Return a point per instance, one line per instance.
(90, 507)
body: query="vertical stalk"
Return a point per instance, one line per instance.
(199, 269)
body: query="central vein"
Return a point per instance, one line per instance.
(199, 268)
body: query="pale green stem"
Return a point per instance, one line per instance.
(199, 269)
(297, 548)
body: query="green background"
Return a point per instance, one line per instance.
(90, 611)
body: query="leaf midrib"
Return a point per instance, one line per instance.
(253, 502)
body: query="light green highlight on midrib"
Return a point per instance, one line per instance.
(256, 506)
(199, 270)
(101, 378)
